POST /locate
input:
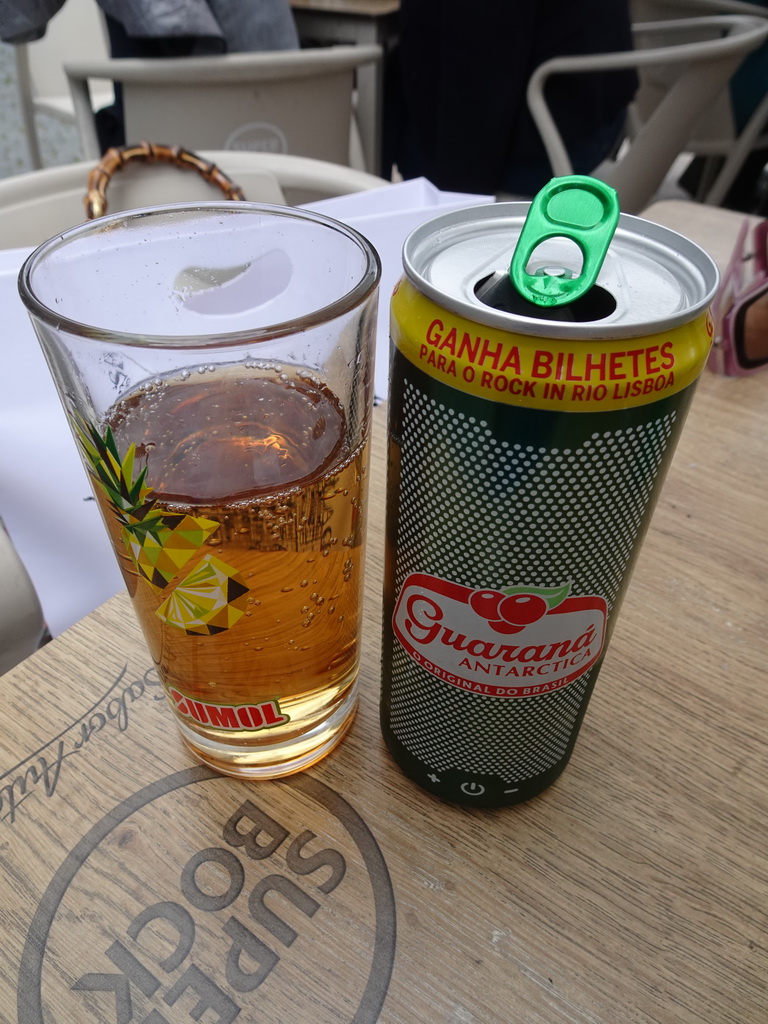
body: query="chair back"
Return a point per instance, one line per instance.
(37, 205)
(703, 53)
(76, 32)
(716, 136)
(22, 627)
(289, 101)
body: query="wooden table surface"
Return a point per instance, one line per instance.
(137, 886)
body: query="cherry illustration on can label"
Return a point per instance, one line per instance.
(513, 642)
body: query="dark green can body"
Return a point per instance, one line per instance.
(525, 460)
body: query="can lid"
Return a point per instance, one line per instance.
(655, 278)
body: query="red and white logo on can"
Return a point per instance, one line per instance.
(514, 642)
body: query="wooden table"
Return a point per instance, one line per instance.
(137, 886)
(360, 22)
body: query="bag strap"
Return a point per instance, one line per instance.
(148, 152)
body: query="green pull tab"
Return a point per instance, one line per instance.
(577, 207)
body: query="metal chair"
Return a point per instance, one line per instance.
(37, 205)
(290, 101)
(701, 53)
(76, 32)
(715, 137)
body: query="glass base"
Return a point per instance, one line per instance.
(273, 761)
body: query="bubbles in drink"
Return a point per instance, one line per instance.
(263, 612)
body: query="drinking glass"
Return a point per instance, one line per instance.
(215, 362)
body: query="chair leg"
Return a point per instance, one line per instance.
(356, 155)
(738, 154)
(709, 170)
(27, 105)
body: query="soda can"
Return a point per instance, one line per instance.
(528, 444)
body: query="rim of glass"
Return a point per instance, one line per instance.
(356, 296)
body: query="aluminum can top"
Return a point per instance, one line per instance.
(657, 278)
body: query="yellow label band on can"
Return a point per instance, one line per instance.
(586, 375)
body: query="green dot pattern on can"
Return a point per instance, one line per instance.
(486, 510)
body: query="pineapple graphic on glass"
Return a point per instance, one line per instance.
(212, 596)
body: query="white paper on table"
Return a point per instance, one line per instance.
(414, 194)
(45, 498)
(386, 217)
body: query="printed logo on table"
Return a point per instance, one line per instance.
(199, 898)
(517, 641)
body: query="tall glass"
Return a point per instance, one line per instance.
(216, 365)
